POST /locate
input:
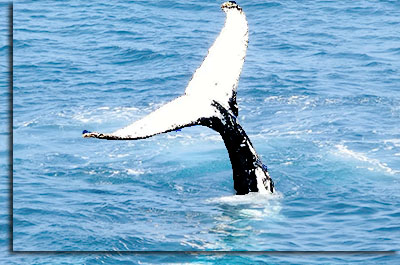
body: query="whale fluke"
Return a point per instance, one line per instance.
(181, 112)
(210, 100)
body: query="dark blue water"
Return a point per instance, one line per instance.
(319, 97)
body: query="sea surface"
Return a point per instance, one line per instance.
(319, 96)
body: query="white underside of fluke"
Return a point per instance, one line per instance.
(180, 112)
(218, 76)
(215, 80)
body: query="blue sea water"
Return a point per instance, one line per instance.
(319, 97)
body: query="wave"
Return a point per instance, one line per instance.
(371, 164)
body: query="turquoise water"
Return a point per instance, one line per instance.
(319, 97)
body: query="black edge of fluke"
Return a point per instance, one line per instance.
(231, 4)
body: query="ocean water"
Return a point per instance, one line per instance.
(319, 97)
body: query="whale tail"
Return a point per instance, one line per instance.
(210, 100)
(215, 80)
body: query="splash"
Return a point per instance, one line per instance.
(254, 205)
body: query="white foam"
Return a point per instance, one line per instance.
(118, 155)
(395, 142)
(372, 164)
(26, 124)
(255, 205)
(259, 214)
(103, 108)
(135, 171)
(252, 198)
(299, 132)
